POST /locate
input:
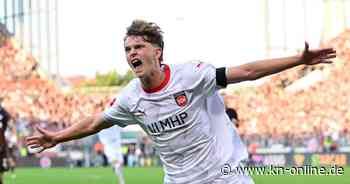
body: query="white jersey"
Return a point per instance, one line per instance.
(186, 119)
(111, 140)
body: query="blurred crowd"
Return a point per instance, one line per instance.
(316, 116)
(33, 100)
(141, 154)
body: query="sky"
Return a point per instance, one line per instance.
(224, 33)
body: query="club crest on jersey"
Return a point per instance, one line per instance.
(181, 99)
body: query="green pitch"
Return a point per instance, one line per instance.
(141, 175)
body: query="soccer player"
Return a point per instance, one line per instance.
(179, 108)
(4, 149)
(111, 140)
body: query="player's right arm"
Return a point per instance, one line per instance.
(88, 126)
(117, 114)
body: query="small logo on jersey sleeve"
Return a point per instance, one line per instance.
(181, 99)
(199, 64)
(112, 102)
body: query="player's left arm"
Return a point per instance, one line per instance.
(262, 68)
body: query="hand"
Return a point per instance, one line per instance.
(44, 140)
(11, 162)
(5, 164)
(317, 56)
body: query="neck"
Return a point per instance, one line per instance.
(153, 80)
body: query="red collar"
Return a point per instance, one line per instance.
(164, 82)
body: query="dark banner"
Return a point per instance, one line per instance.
(300, 159)
(288, 159)
(44, 162)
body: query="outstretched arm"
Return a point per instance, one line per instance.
(262, 68)
(47, 139)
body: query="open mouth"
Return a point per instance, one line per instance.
(136, 62)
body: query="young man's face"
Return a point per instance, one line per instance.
(142, 56)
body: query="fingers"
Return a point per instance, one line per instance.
(327, 61)
(33, 137)
(31, 142)
(41, 130)
(306, 48)
(326, 54)
(330, 56)
(326, 58)
(328, 51)
(33, 146)
(323, 52)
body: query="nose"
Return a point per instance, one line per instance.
(132, 53)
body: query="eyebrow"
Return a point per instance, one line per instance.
(138, 45)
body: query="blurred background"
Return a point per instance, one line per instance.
(63, 60)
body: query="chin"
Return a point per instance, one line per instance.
(139, 75)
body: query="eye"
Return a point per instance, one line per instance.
(139, 46)
(127, 49)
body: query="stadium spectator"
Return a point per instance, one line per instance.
(147, 150)
(5, 159)
(188, 99)
(132, 158)
(111, 140)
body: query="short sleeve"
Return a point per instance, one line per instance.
(118, 113)
(206, 76)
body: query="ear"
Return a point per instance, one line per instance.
(158, 52)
